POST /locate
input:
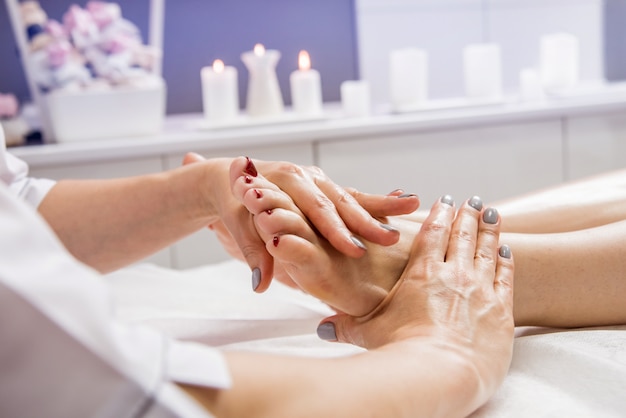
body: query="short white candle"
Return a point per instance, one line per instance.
(530, 84)
(264, 97)
(559, 59)
(482, 67)
(220, 95)
(355, 98)
(408, 77)
(306, 87)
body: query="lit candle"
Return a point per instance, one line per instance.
(306, 87)
(408, 77)
(220, 97)
(483, 71)
(264, 97)
(559, 59)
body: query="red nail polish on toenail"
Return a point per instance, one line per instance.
(275, 241)
(247, 179)
(250, 168)
(268, 211)
(258, 193)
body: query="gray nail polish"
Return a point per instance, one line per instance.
(326, 331)
(403, 195)
(256, 278)
(448, 200)
(505, 251)
(388, 227)
(358, 242)
(476, 202)
(490, 216)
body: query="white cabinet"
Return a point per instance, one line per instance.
(493, 162)
(595, 144)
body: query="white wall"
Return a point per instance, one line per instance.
(444, 27)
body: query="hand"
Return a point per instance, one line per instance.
(455, 293)
(335, 212)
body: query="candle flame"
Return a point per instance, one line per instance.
(259, 50)
(218, 66)
(304, 61)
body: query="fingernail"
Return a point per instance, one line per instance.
(476, 202)
(403, 195)
(358, 242)
(275, 241)
(388, 227)
(395, 191)
(490, 216)
(250, 168)
(326, 331)
(256, 278)
(505, 251)
(247, 179)
(448, 200)
(258, 193)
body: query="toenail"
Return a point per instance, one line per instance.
(250, 168)
(258, 193)
(275, 241)
(248, 179)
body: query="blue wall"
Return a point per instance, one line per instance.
(199, 31)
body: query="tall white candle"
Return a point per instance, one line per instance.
(482, 67)
(355, 98)
(306, 87)
(559, 60)
(264, 97)
(408, 77)
(220, 96)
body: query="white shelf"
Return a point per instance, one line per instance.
(179, 136)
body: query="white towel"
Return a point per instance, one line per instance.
(554, 373)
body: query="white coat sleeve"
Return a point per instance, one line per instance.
(62, 354)
(14, 173)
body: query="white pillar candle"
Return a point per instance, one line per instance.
(355, 98)
(559, 59)
(482, 65)
(306, 87)
(220, 95)
(530, 84)
(264, 97)
(408, 77)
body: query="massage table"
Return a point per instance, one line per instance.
(554, 372)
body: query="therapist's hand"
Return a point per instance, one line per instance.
(338, 214)
(456, 294)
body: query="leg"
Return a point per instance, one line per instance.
(569, 279)
(582, 204)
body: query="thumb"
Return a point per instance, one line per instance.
(192, 157)
(341, 328)
(252, 248)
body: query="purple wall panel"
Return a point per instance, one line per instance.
(197, 32)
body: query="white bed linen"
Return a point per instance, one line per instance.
(554, 373)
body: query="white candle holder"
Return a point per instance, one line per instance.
(264, 97)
